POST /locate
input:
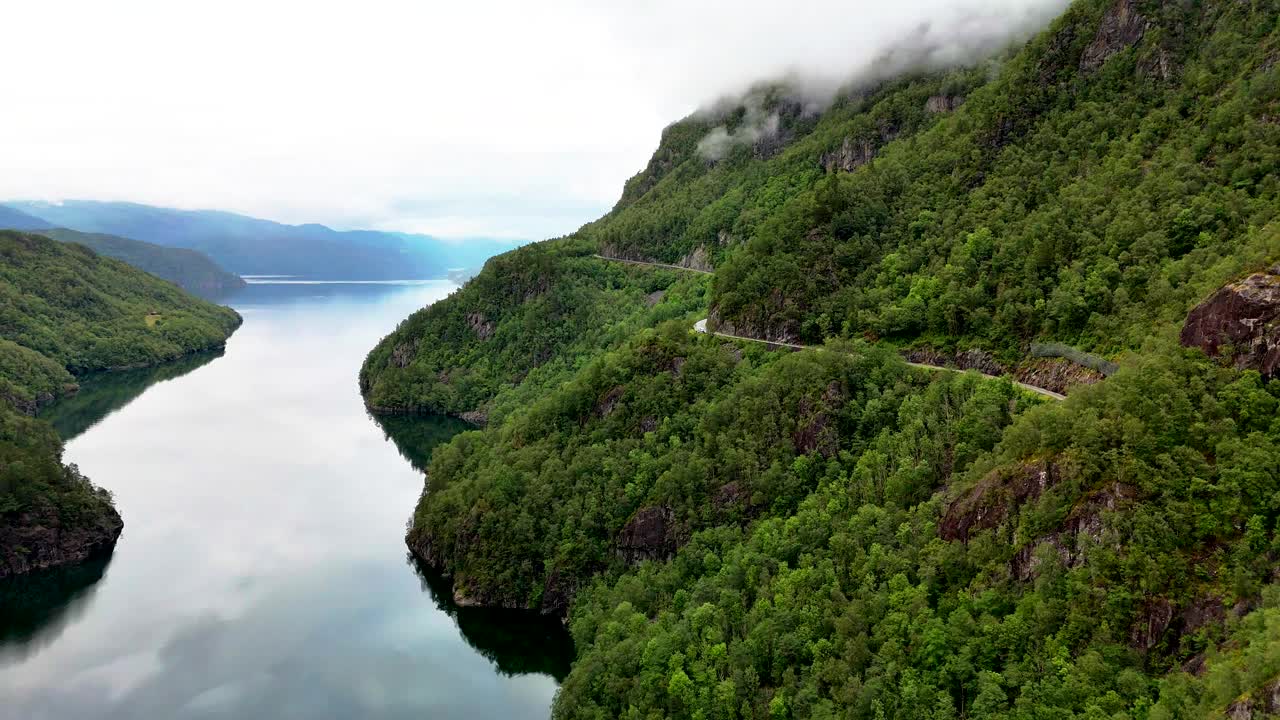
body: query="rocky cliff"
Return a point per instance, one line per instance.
(1240, 321)
(42, 538)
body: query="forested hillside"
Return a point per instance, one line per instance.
(65, 310)
(732, 532)
(190, 270)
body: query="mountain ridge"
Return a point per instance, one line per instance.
(253, 246)
(190, 270)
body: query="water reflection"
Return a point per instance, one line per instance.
(416, 436)
(261, 572)
(35, 608)
(104, 393)
(516, 642)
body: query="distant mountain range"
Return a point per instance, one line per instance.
(251, 246)
(190, 270)
(14, 219)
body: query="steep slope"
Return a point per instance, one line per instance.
(64, 309)
(527, 319)
(1070, 199)
(250, 246)
(731, 532)
(190, 270)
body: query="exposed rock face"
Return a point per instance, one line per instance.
(403, 354)
(1153, 621)
(1264, 702)
(1084, 526)
(480, 325)
(37, 539)
(654, 298)
(781, 132)
(467, 597)
(783, 334)
(1202, 611)
(972, 359)
(558, 593)
(1158, 64)
(988, 504)
(1056, 374)
(943, 103)
(851, 155)
(650, 534)
(697, 259)
(1242, 320)
(478, 417)
(609, 403)
(815, 429)
(1122, 27)
(854, 152)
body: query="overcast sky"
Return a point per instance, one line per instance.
(480, 118)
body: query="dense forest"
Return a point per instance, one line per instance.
(64, 311)
(731, 531)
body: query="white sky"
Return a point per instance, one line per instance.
(490, 117)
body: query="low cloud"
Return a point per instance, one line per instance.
(510, 118)
(960, 35)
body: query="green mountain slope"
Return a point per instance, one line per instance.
(65, 310)
(737, 533)
(190, 270)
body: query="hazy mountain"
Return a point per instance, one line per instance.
(251, 246)
(13, 219)
(190, 270)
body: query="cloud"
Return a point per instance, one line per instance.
(757, 124)
(960, 34)
(346, 113)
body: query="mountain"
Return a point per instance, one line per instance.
(735, 530)
(65, 310)
(188, 269)
(17, 220)
(250, 246)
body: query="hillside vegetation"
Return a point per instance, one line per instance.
(190, 270)
(65, 310)
(737, 533)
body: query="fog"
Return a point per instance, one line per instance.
(493, 117)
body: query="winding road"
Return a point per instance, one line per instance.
(654, 264)
(701, 326)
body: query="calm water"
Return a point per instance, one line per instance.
(262, 572)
